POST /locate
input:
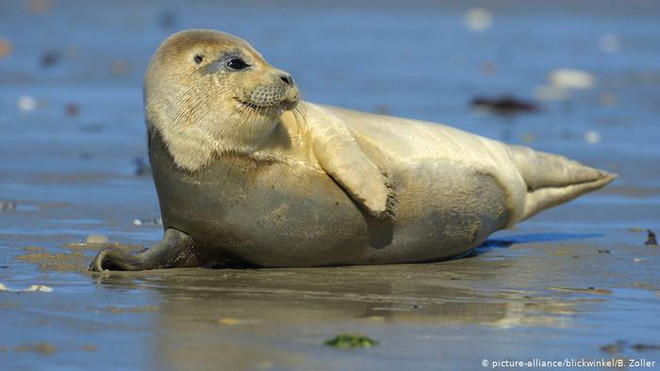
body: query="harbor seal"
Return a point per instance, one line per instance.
(247, 173)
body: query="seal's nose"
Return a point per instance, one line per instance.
(286, 78)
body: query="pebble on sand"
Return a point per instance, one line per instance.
(139, 222)
(478, 19)
(592, 137)
(27, 103)
(50, 58)
(572, 79)
(41, 348)
(616, 347)
(33, 288)
(96, 238)
(72, 109)
(229, 321)
(7, 205)
(5, 48)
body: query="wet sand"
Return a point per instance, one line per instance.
(564, 284)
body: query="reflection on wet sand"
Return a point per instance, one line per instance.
(261, 317)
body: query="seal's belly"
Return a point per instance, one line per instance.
(276, 215)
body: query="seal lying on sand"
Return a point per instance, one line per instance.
(245, 173)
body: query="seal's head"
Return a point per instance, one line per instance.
(208, 92)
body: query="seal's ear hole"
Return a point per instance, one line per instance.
(199, 58)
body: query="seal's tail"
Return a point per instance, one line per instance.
(553, 179)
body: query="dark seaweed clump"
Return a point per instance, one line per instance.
(504, 105)
(349, 340)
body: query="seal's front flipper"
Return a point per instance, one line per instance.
(175, 250)
(342, 158)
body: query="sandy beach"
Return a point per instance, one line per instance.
(575, 282)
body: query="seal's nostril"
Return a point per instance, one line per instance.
(287, 79)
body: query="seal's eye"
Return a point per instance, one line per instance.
(237, 64)
(199, 59)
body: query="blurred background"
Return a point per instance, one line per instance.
(579, 78)
(572, 77)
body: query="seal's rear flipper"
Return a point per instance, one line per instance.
(544, 198)
(552, 179)
(175, 250)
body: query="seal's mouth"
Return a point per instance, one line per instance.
(247, 104)
(276, 109)
(251, 108)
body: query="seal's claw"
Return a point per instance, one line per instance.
(115, 259)
(97, 263)
(175, 250)
(390, 203)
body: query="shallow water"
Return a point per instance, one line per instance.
(561, 285)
